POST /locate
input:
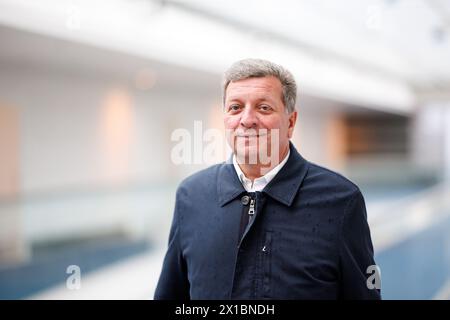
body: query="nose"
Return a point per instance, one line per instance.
(249, 118)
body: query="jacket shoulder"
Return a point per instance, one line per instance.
(331, 179)
(202, 179)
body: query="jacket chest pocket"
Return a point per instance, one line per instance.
(266, 264)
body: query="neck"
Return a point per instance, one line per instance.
(254, 171)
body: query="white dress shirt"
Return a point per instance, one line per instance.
(259, 183)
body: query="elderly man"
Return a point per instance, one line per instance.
(267, 224)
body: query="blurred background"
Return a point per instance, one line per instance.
(92, 91)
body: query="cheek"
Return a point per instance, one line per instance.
(231, 122)
(272, 123)
(279, 123)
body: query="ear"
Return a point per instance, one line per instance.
(292, 120)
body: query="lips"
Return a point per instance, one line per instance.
(244, 136)
(240, 135)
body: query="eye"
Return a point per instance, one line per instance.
(265, 107)
(234, 107)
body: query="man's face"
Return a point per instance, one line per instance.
(255, 118)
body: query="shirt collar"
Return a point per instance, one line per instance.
(259, 183)
(283, 188)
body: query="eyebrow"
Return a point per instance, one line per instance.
(236, 99)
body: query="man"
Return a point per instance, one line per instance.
(267, 224)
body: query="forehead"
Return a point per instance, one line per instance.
(268, 87)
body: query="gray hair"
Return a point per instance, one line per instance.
(257, 68)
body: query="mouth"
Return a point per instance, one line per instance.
(250, 135)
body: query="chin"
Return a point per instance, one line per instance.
(246, 153)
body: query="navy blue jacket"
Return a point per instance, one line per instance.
(309, 238)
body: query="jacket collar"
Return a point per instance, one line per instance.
(282, 188)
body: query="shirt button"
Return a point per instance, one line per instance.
(245, 200)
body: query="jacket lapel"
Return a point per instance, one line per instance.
(283, 187)
(287, 182)
(228, 184)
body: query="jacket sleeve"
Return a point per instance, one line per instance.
(357, 264)
(173, 283)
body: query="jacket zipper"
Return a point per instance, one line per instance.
(251, 211)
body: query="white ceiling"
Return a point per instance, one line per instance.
(396, 36)
(367, 52)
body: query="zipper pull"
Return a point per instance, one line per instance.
(251, 211)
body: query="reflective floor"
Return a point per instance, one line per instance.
(419, 267)
(415, 266)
